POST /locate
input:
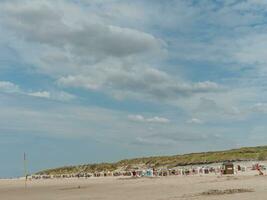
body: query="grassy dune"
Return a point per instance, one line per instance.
(242, 154)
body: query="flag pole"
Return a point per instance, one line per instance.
(25, 169)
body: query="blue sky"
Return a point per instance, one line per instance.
(84, 81)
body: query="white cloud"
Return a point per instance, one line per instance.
(252, 50)
(171, 137)
(139, 83)
(78, 81)
(259, 108)
(62, 96)
(156, 119)
(82, 38)
(194, 121)
(42, 94)
(94, 53)
(9, 87)
(154, 141)
(55, 95)
(138, 118)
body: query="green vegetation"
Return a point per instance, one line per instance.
(242, 154)
(262, 156)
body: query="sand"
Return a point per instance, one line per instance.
(245, 187)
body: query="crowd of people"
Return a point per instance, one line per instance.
(156, 172)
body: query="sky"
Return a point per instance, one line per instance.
(85, 81)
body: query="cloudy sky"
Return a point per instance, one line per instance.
(85, 81)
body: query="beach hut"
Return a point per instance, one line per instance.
(228, 168)
(149, 172)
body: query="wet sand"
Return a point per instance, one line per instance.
(159, 188)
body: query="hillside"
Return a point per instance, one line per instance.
(242, 154)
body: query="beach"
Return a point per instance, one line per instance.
(238, 187)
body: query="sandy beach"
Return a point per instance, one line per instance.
(241, 187)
